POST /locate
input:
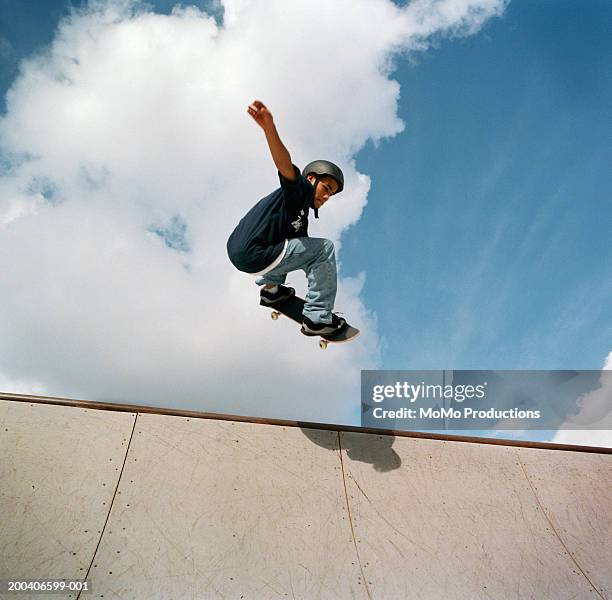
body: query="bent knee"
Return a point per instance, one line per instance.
(327, 246)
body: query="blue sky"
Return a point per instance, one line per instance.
(492, 212)
(485, 240)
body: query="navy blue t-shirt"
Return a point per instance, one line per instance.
(260, 236)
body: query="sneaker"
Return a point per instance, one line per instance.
(311, 328)
(283, 293)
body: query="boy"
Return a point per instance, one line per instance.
(272, 239)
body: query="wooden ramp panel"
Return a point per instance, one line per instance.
(575, 491)
(213, 509)
(455, 521)
(59, 470)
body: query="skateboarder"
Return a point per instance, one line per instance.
(272, 239)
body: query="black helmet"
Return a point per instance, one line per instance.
(324, 167)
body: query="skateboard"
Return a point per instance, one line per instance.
(293, 308)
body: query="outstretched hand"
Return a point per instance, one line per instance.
(260, 113)
(282, 159)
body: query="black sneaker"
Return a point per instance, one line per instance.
(283, 293)
(311, 328)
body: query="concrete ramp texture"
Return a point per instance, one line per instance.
(156, 506)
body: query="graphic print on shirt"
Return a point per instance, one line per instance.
(297, 224)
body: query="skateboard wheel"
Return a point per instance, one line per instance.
(322, 344)
(275, 314)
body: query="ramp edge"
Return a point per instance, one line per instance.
(137, 408)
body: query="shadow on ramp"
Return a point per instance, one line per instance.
(376, 450)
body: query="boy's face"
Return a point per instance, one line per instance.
(324, 191)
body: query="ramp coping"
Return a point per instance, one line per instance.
(137, 408)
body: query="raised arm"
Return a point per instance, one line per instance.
(282, 159)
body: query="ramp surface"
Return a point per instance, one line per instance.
(164, 507)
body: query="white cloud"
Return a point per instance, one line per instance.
(133, 122)
(595, 411)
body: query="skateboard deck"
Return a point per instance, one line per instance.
(293, 309)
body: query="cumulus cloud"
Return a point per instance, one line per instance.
(128, 158)
(595, 411)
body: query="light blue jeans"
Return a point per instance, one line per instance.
(317, 258)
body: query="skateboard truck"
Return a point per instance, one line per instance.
(293, 308)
